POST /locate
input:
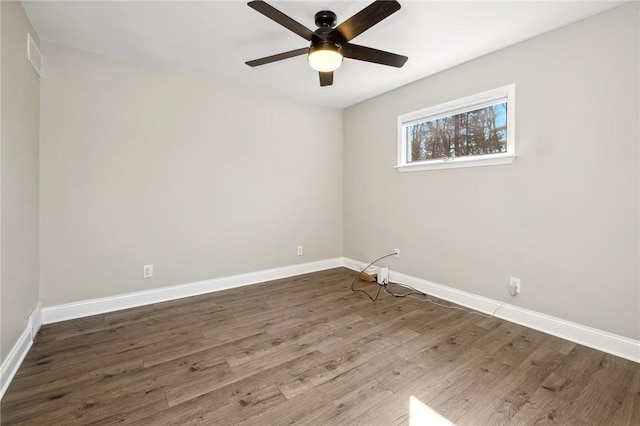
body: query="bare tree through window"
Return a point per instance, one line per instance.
(477, 132)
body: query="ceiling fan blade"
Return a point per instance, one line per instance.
(282, 19)
(278, 57)
(326, 78)
(366, 18)
(362, 53)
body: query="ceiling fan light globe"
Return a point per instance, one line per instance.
(325, 57)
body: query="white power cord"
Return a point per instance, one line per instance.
(427, 299)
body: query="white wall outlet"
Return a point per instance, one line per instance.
(514, 286)
(300, 250)
(397, 252)
(147, 271)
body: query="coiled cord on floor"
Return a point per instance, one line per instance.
(364, 269)
(416, 294)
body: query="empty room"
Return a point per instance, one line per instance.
(320, 212)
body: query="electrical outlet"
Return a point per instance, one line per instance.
(397, 252)
(514, 286)
(147, 271)
(300, 250)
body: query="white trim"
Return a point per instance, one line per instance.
(131, 300)
(35, 320)
(34, 56)
(13, 361)
(459, 106)
(587, 336)
(458, 162)
(353, 264)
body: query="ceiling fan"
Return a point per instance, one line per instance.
(330, 44)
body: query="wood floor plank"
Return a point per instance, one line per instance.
(30, 387)
(458, 399)
(423, 388)
(505, 398)
(316, 403)
(227, 405)
(208, 393)
(542, 408)
(346, 407)
(628, 410)
(307, 350)
(332, 366)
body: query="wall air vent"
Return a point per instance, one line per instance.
(33, 54)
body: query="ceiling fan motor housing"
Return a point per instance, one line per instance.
(326, 19)
(324, 38)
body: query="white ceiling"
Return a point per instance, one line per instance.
(213, 39)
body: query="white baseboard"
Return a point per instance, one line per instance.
(13, 361)
(68, 311)
(10, 366)
(587, 336)
(597, 339)
(102, 305)
(35, 320)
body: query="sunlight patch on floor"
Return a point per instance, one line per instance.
(421, 415)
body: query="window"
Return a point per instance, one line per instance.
(469, 132)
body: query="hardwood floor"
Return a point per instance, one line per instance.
(307, 350)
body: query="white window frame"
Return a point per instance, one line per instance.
(459, 106)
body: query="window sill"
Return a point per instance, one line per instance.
(459, 162)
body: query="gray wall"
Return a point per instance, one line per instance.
(563, 217)
(19, 168)
(141, 166)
